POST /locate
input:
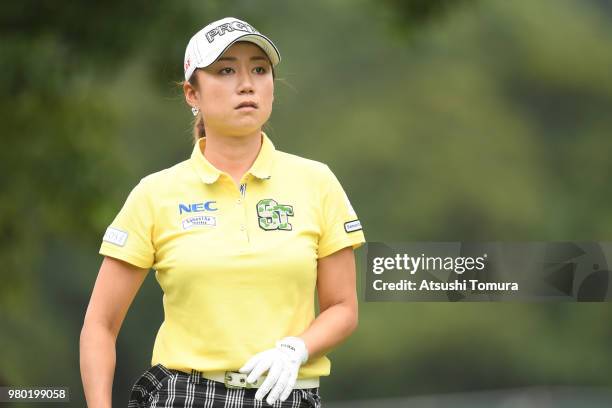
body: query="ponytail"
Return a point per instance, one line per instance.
(198, 127)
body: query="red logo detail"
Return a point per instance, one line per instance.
(186, 66)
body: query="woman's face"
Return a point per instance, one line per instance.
(242, 73)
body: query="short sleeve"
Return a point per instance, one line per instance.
(340, 226)
(129, 236)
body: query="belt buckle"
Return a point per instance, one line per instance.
(233, 379)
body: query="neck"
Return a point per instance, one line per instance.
(232, 154)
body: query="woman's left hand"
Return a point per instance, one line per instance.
(282, 364)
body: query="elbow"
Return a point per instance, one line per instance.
(92, 331)
(86, 334)
(350, 314)
(84, 339)
(354, 321)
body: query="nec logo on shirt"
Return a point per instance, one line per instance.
(197, 207)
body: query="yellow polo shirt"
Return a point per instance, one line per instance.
(237, 263)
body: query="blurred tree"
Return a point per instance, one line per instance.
(411, 15)
(60, 162)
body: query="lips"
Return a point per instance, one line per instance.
(251, 104)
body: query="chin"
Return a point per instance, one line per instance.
(242, 129)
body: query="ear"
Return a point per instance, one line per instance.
(191, 95)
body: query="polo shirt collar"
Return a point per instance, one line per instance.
(261, 168)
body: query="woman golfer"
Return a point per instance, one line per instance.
(239, 235)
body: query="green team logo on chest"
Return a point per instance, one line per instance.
(274, 216)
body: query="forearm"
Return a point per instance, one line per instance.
(97, 361)
(330, 328)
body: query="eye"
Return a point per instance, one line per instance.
(222, 70)
(263, 70)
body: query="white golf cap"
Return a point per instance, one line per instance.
(210, 42)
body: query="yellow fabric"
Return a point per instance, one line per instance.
(236, 276)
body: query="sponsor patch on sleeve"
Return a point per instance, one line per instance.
(115, 236)
(351, 226)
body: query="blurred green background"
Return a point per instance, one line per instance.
(444, 120)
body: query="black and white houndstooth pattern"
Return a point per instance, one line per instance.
(161, 387)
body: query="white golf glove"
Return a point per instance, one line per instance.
(282, 364)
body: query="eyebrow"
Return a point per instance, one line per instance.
(235, 59)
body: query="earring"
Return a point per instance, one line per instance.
(195, 111)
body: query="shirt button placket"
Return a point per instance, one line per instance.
(240, 201)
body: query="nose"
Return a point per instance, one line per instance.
(246, 82)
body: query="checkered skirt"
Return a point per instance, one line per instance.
(161, 387)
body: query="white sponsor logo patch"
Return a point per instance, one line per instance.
(199, 220)
(351, 226)
(115, 236)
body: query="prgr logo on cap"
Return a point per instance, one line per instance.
(223, 28)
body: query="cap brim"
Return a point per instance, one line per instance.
(258, 39)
